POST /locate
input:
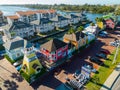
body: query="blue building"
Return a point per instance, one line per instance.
(14, 47)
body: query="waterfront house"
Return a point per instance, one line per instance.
(1, 17)
(45, 13)
(110, 20)
(43, 25)
(18, 28)
(73, 18)
(14, 46)
(31, 65)
(54, 50)
(11, 19)
(26, 16)
(110, 24)
(78, 39)
(60, 21)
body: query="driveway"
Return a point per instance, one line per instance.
(50, 81)
(10, 79)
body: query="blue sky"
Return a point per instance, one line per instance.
(60, 1)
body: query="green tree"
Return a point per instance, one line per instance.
(81, 28)
(71, 30)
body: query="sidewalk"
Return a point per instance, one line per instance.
(110, 80)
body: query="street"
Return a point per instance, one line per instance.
(116, 85)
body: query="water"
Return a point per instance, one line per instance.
(10, 10)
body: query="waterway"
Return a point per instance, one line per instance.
(10, 10)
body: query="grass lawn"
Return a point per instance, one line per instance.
(103, 73)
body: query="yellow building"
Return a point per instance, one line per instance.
(31, 64)
(100, 25)
(78, 39)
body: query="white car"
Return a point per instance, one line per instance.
(118, 67)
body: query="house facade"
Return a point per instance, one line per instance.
(54, 50)
(31, 64)
(60, 21)
(14, 47)
(18, 28)
(110, 24)
(77, 39)
(26, 16)
(43, 25)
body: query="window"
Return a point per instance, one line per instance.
(59, 53)
(18, 54)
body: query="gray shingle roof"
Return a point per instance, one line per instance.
(58, 18)
(16, 25)
(41, 21)
(74, 36)
(15, 43)
(53, 45)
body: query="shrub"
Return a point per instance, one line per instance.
(25, 76)
(9, 59)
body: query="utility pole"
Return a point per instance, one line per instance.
(116, 53)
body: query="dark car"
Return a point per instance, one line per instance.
(101, 55)
(96, 60)
(105, 51)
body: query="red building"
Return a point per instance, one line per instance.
(110, 23)
(54, 50)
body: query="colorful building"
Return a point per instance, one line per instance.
(54, 50)
(78, 39)
(31, 64)
(14, 47)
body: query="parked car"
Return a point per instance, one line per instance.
(115, 44)
(17, 63)
(101, 55)
(96, 60)
(18, 67)
(103, 34)
(105, 51)
(118, 67)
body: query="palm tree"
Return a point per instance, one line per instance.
(71, 30)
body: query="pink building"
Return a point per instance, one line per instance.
(54, 50)
(110, 23)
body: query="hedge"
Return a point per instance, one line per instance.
(9, 59)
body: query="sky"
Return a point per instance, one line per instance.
(107, 2)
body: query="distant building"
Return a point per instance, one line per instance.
(14, 47)
(31, 64)
(60, 21)
(77, 39)
(26, 16)
(18, 28)
(43, 25)
(54, 50)
(11, 19)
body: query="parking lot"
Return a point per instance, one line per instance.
(52, 81)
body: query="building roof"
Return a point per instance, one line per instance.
(15, 43)
(53, 45)
(27, 13)
(13, 17)
(16, 25)
(52, 11)
(41, 21)
(58, 18)
(41, 11)
(74, 36)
